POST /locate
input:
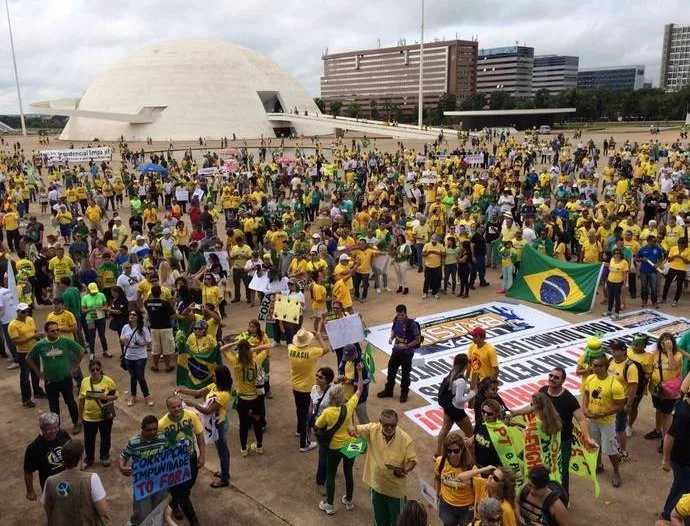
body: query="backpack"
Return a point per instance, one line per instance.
(640, 375)
(324, 435)
(411, 326)
(445, 393)
(557, 492)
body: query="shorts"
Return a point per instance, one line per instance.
(663, 405)
(605, 436)
(455, 414)
(162, 342)
(621, 422)
(65, 230)
(319, 313)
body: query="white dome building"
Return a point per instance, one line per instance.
(186, 89)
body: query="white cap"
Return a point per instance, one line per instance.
(314, 250)
(344, 257)
(141, 238)
(316, 236)
(22, 307)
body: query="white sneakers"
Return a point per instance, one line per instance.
(628, 430)
(328, 508)
(309, 447)
(348, 503)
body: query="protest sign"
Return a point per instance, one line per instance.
(287, 308)
(259, 282)
(199, 194)
(429, 493)
(181, 194)
(169, 467)
(344, 331)
(76, 155)
(265, 312)
(474, 159)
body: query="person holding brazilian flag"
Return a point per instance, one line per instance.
(197, 356)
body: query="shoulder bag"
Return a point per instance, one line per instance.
(108, 409)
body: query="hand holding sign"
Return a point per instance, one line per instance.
(287, 309)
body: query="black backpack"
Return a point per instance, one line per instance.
(640, 375)
(557, 492)
(445, 393)
(411, 325)
(323, 435)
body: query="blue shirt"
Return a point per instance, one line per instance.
(653, 254)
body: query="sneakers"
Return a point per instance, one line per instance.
(424, 296)
(400, 289)
(13, 365)
(403, 398)
(616, 480)
(436, 296)
(309, 447)
(29, 404)
(385, 394)
(378, 291)
(348, 503)
(406, 291)
(485, 284)
(328, 508)
(674, 304)
(653, 435)
(606, 313)
(387, 289)
(615, 316)
(148, 401)
(244, 452)
(628, 430)
(105, 462)
(256, 449)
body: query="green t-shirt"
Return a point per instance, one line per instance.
(56, 357)
(91, 301)
(684, 344)
(72, 299)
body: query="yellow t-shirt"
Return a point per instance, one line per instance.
(90, 392)
(421, 233)
(453, 490)
(61, 267)
(482, 359)
(433, 260)
(481, 492)
(677, 263)
(616, 270)
(340, 269)
(23, 329)
(617, 370)
(201, 345)
(303, 366)
(645, 359)
(222, 398)
(683, 506)
(318, 297)
(211, 295)
(590, 252)
(11, 220)
(242, 255)
(364, 257)
(602, 394)
(329, 417)
(93, 213)
(187, 427)
(341, 293)
(245, 377)
(667, 372)
(66, 321)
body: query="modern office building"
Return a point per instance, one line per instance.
(675, 57)
(618, 77)
(508, 69)
(555, 73)
(391, 75)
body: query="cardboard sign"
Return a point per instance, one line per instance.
(345, 331)
(287, 308)
(167, 468)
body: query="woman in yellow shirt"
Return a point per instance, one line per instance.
(200, 342)
(182, 240)
(319, 295)
(250, 396)
(664, 384)
(616, 282)
(96, 390)
(217, 397)
(559, 248)
(500, 486)
(679, 260)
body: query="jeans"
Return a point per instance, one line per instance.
(180, 494)
(362, 279)
(454, 515)
(91, 429)
(464, 274)
(417, 247)
(680, 486)
(302, 408)
(450, 273)
(478, 269)
(8, 341)
(223, 451)
(24, 373)
(566, 452)
(615, 292)
(333, 458)
(650, 286)
(321, 468)
(679, 277)
(396, 361)
(432, 280)
(632, 284)
(386, 509)
(251, 413)
(64, 388)
(98, 325)
(137, 374)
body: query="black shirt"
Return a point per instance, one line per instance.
(484, 450)
(566, 404)
(680, 431)
(45, 457)
(478, 245)
(160, 311)
(477, 406)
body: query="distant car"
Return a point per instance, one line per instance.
(544, 129)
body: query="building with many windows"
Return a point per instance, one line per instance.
(675, 57)
(618, 77)
(508, 69)
(389, 77)
(555, 73)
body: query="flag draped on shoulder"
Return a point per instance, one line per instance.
(559, 284)
(195, 370)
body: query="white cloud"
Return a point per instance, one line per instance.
(62, 45)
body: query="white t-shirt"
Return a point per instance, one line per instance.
(97, 489)
(461, 393)
(129, 284)
(136, 346)
(316, 396)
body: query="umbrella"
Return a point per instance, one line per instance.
(151, 167)
(286, 160)
(229, 151)
(231, 165)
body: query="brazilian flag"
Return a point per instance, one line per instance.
(559, 284)
(195, 370)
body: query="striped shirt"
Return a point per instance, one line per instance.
(137, 447)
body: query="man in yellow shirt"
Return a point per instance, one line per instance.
(22, 331)
(483, 361)
(603, 397)
(240, 253)
(303, 357)
(625, 371)
(61, 266)
(11, 222)
(679, 261)
(364, 255)
(391, 455)
(591, 249)
(93, 214)
(420, 233)
(433, 254)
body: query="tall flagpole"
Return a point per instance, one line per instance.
(420, 103)
(16, 75)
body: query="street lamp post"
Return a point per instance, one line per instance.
(16, 75)
(420, 110)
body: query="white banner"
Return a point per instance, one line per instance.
(181, 194)
(76, 155)
(474, 159)
(345, 331)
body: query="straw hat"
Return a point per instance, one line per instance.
(302, 338)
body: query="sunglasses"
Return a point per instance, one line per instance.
(320, 376)
(95, 370)
(453, 451)
(554, 377)
(199, 328)
(488, 413)
(494, 477)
